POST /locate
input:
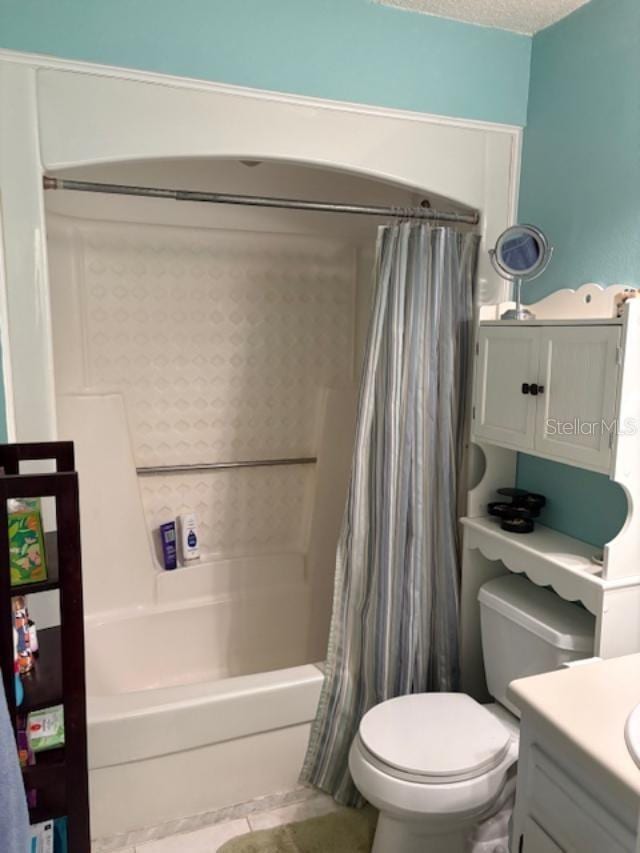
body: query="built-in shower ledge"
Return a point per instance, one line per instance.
(548, 558)
(229, 577)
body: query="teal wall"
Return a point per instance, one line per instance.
(581, 184)
(583, 504)
(581, 158)
(353, 50)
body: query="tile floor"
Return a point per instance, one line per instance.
(209, 839)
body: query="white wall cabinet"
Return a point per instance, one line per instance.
(550, 390)
(575, 418)
(507, 357)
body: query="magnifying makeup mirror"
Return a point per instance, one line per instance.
(522, 253)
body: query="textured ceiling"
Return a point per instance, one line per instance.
(521, 16)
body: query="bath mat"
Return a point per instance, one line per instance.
(342, 831)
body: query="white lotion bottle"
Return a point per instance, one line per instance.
(189, 541)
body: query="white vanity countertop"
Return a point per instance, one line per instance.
(588, 705)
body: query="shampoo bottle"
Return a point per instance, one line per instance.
(190, 545)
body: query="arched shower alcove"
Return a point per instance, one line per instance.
(199, 335)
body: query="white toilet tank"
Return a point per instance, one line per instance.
(527, 630)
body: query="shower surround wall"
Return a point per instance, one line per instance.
(221, 344)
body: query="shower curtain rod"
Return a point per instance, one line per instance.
(426, 214)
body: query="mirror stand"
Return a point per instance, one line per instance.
(519, 312)
(522, 253)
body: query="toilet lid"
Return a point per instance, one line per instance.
(443, 737)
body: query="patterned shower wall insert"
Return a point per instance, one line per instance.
(219, 340)
(242, 511)
(220, 343)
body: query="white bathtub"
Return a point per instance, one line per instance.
(202, 703)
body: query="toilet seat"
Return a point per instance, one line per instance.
(433, 738)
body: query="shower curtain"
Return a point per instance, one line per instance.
(394, 627)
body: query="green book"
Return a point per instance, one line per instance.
(45, 729)
(26, 546)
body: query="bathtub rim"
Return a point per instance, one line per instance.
(147, 724)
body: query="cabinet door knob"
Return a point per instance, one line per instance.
(525, 388)
(536, 389)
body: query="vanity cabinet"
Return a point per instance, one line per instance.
(549, 389)
(559, 815)
(537, 840)
(578, 787)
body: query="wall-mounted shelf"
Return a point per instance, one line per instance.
(547, 557)
(583, 360)
(60, 776)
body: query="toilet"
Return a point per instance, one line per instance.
(435, 764)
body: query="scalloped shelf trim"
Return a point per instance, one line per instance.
(589, 301)
(547, 557)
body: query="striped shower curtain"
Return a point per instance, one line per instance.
(394, 627)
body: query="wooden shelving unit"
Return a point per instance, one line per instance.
(59, 776)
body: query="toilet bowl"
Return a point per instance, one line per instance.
(431, 791)
(435, 764)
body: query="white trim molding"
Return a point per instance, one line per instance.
(37, 60)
